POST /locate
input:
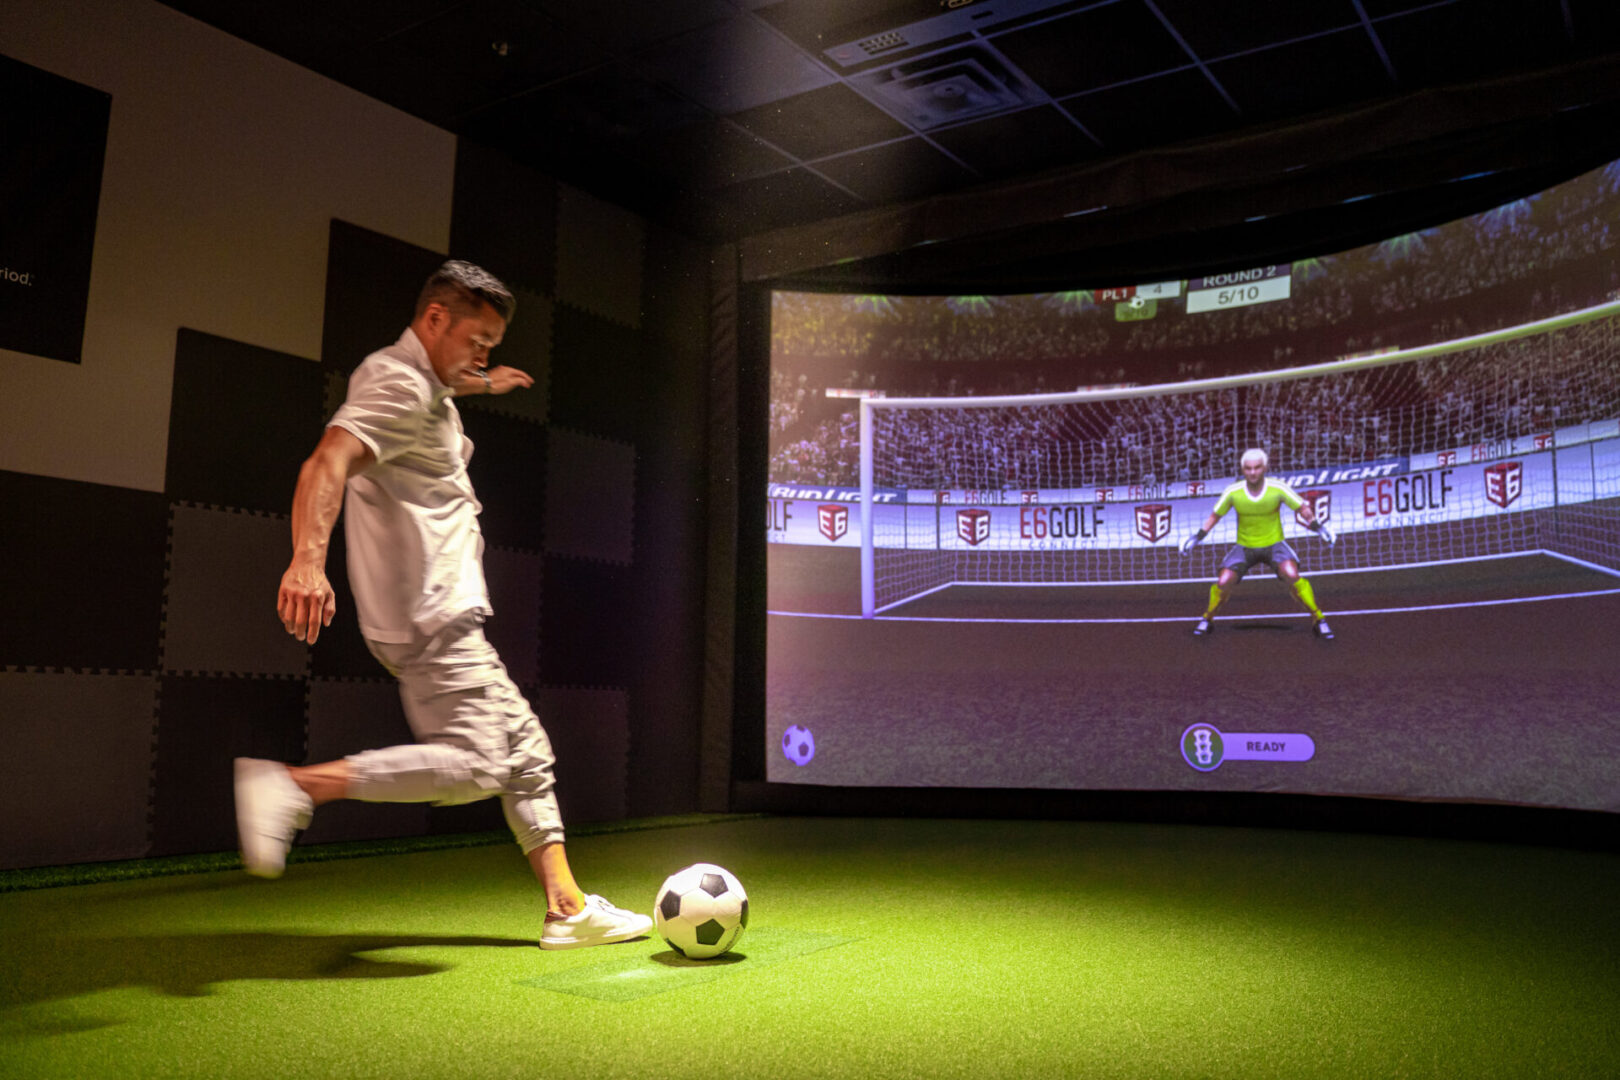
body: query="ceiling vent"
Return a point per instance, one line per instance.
(960, 17)
(948, 88)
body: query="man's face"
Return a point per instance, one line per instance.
(1254, 471)
(460, 345)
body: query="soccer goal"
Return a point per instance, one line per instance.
(1499, 443)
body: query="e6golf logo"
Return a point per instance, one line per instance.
(1153, 522)
(833, 520)
(973, 526)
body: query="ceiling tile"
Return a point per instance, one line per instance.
(1151, 112)
(470, 56)
(1597, 25)
(626, 25)
(1215, 28)
(1454, 44)
(822, 122)
(714, 153)
(1304, 77)
(1093, 48)
(948, 87)
(734, 65)
(785, 198)
(607, 106)
(1378, 8)
(1018, 143)
(815, 25)
(895, 172)
(305, 30)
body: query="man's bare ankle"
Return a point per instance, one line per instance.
(568, 905)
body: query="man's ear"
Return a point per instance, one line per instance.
(435, 317)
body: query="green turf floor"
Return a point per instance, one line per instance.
(875, 948)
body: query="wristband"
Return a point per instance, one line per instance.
(1202, 533)
(489, 387)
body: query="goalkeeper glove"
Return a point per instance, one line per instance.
(1192, 541)
(1325, 531)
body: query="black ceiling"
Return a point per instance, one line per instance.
(733, 117)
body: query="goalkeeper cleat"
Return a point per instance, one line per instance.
(1205, 625)
(1323, 631)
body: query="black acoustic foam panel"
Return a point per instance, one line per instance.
(505, 218)
(598, 375)
(242, 420)
(206, 722)
(345, 718)
(514, 579)
(508, 471)
(590, 735)
(84, 573)
(527, 347)
(600, 249)
(82, 748)
(225, 569)
(372, 282)
(590, 497)
(340, 651)
(588, 623)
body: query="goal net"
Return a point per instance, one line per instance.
(1487, 445)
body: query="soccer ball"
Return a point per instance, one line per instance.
(701, 911)
(798, 745)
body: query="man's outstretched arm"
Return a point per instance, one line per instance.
(305, 602)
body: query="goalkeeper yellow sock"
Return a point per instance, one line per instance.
(1307, 596)
(1215, 598)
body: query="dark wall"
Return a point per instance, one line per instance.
(141, 652)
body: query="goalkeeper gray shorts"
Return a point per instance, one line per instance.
(1242, 559)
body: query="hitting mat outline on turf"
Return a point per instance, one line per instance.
(635, 975)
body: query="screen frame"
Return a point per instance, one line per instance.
(1325, 231)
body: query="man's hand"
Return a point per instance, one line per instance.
(503, 380)
(305, 602)
(1191, 542)
(1325, 533)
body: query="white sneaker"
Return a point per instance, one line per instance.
(270, 809)
(598, 923)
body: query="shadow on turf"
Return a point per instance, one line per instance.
(49, 968)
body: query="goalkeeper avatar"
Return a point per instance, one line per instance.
(1260, 538)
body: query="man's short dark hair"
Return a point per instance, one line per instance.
(462, 287)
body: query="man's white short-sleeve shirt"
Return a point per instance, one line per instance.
(411, 519)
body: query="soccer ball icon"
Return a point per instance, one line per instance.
(701, 911)
(798, 745)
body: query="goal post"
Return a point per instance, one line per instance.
(1485, 445)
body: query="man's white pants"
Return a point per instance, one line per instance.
(476, 735)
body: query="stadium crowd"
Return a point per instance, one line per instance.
(1491, 393)
(1527, 260)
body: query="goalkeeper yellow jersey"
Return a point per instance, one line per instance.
(1259, 523)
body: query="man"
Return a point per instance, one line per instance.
(415, 566)
(1257, 501)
